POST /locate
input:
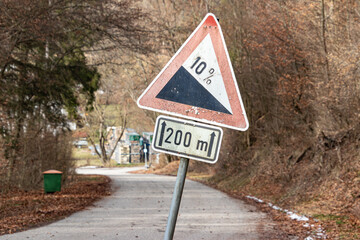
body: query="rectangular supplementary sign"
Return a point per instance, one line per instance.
(187, 139)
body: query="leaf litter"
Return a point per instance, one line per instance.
(21, 210)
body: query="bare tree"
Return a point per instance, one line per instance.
(43, 68)
(98, 126)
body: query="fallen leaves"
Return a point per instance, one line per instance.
(20, 210)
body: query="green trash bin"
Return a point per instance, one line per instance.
(52, 181)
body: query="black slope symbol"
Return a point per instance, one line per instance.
(184, 88)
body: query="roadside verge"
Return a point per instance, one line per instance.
(21, 210)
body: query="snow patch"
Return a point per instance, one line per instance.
(255, 199)
(298, 217)
(319, 233)
(275, 207)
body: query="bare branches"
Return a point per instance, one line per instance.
(43, 66)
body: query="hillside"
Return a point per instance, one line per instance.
(298, 73)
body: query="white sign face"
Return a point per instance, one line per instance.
(198, 82)
(187, 139)
(202, 64)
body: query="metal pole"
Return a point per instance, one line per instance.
(176, 199)
(145, 152)
(130, 153)
(146, 165)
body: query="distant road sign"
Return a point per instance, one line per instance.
(199, 82)
(187, 139)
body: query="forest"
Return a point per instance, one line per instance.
(296, 63)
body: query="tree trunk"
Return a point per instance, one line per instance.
(323, 34)
(14, 149)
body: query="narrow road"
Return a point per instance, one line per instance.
(139, 207)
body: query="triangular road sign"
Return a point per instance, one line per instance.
(199, 82)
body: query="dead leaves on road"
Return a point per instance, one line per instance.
(20, 210)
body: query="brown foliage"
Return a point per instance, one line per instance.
(297, 67)
(38, 150)
(286, 56)
(20, 210)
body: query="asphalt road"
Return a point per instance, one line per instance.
(139, 207)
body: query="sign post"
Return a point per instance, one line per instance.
(187, 139)
(198, 83)
(176, 199)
